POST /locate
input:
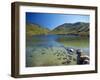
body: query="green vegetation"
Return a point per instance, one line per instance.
(76, 28)
(35, 29)
(79, 28)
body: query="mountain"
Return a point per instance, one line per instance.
(80, 28)
(35, 29)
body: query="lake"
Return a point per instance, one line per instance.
(50, 50)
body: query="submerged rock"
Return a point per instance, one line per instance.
(45, 56)
(81, 58)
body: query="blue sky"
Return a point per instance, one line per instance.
(51, 21)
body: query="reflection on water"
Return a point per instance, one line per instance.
(70, 41)
(51, 43)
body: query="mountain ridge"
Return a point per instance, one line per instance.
(35, 29)
(80, 28)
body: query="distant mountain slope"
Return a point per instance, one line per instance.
(35, 29)
(80, 28)
(69, 28)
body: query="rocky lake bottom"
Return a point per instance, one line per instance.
(54, 50)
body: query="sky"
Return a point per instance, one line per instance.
(51, 20)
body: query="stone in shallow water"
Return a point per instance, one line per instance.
(52, 57)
